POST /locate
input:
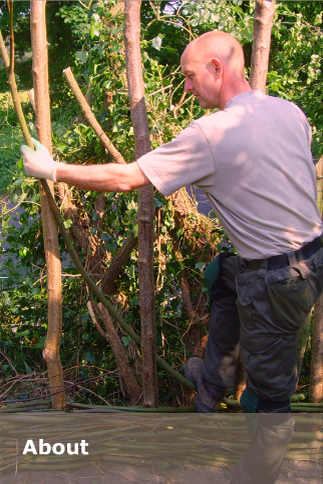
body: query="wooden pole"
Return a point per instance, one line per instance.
(263, 20)
(316, 378)
(43, 125)
(14, 93)
(146, 204)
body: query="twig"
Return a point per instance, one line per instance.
(8, 390)
(90, 391)
(160, 90)
(6, 357)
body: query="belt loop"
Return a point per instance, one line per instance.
(292, 259)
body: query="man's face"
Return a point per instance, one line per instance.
(201, 79)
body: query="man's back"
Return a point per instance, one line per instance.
(254, 162)
(265, 183)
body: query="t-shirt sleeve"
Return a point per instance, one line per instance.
(186, 160)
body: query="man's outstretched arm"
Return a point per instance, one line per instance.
(110, 177)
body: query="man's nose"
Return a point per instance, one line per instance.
(188, 85)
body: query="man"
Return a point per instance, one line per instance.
(253, 161)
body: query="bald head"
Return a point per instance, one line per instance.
(213, 66)
(219, 45)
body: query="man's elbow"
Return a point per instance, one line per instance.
(131, 186)
(126, 188)
(123, 178)
(133, 178)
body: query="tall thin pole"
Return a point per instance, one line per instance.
(316, 379)
(146, 205)
(263, 20)
(53, 263)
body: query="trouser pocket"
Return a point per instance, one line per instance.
(291, 296)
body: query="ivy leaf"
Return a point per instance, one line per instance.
(126, 340)
(28, 369)
(105, 237)
(20, 163)
(61, 147)
(157, 42)
(94, 31)
(19, 181)
(41, 342)
(82, 55)
(67, 223)
(132, 271)
(89, 357)
(200, 266)
(23, 333)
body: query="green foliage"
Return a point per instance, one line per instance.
(296, 63)
(10, 140)
(171, 25)
(22, 328)
(23, 319)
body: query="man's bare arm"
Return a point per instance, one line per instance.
(111, 177)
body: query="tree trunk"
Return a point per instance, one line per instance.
(319, 174)
(43, 124)
(132, 388)
(146, 205)
(302, 344)
(263, 20)
(316, 380)
(117, 265)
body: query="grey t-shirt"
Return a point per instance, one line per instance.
(253, 160)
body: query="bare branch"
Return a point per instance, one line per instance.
(91, 118)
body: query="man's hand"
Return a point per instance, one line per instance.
(39, 163)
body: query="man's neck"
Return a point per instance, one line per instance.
(234, 89)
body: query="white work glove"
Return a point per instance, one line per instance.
(38, 162)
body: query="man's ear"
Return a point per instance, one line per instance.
(217, 67)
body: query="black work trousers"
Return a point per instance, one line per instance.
(259, 312)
